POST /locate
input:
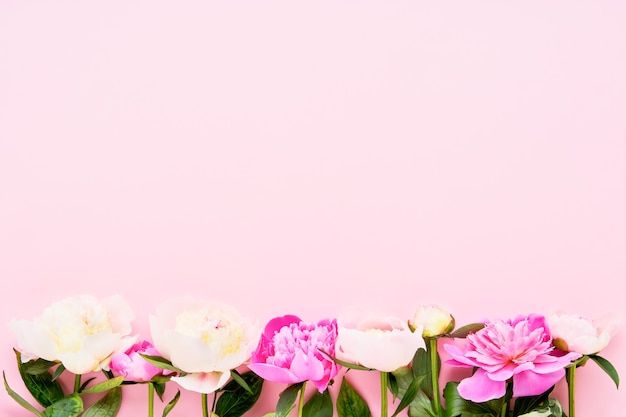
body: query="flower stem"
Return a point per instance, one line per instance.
(570, 374)
(301, 399)
(205, 405)
(76, 383)
(150, 399)
(384, 380)
(434, 373)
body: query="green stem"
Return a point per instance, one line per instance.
(570, 374)
(76, 383)
(205, 405)
(150, 399)
(384, 381)
(301, 399)
(434, 373)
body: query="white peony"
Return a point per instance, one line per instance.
(81, 332)
(204, 340)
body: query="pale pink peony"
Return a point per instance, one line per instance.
(205, 340)
(291, 351)
(384, 343)
(575, 333)
(81, 332)
(133, 366)
(520, 350)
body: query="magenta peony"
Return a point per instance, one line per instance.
(518, 350)
(290, 351)
(133, 366)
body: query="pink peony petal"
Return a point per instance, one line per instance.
(531, 383)
(273, 373)
(277, 323)
(479, 388)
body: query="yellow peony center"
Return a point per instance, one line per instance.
(223, 333)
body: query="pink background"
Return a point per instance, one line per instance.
(292, 157)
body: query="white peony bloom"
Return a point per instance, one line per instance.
(81, 332)
(204, 340)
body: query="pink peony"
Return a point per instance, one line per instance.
(289, 352)
(133, 366)
(575, 333)
(380, 342)
(520, 350)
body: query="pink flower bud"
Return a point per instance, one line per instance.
(133, 366)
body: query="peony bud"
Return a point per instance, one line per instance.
(435, 321)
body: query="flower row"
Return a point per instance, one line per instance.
(200, 345)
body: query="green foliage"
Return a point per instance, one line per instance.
(350, 403)
(170, 406)
(607, 367)
(69, 406)
(239, 395)
(319, 405)
(38, 380)
(107, 406)
(287, 399)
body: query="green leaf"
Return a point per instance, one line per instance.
(161, 362)
(57, 372)
(235, 399)
(463, 331)
(237, 377)
(392, 385)
(409, 395)
(350, 403)
(70, 406)
(44, 389)
(524, 405)
(319, 405)
(170, 406)
(421, 367)
(107, 406)
(270, 415)
(159, 388)
(421, 406)
(83, 386)
(38, 366)
(104, 386)
(607, 367)
(345, 364)
(552, 408)
(287, 400)
(21, 401)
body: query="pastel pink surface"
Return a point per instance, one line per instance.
(291, 158)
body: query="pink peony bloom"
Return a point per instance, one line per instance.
(133, 366)
(289, 352)
(384, 343)
(520, 350)
(574, 333)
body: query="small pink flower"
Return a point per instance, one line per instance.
(520, 350)
(290, 352)
(133, 366)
